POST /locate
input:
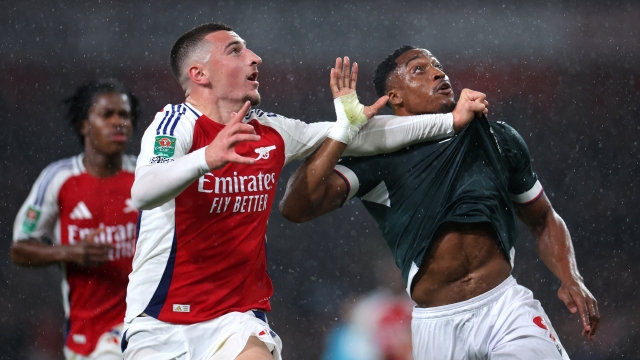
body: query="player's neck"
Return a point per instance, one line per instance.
(101, 165)
(218, 110)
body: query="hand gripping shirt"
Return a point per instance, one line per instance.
(471, 177)
(201, 253)
(64, 205)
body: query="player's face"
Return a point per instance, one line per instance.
(108, 127)
(419, 84)
(232, 68)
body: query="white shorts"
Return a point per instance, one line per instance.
(503, 323)
(217, 339)
(108, 347)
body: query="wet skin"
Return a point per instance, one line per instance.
(464, 260)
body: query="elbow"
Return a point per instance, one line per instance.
(291, 214)
(17, 255)
(293, 217)
(140, 204)
(139, 201)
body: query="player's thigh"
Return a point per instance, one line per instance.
(529, 347)
(255, 350)
(524, 331)
(149, 339)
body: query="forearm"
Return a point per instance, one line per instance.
(308, 186)
(157, 184)
(387, 133)
(555, 247)
(35, 254)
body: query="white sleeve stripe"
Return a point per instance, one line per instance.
(49, 175)
(350, 178)
(529, 196)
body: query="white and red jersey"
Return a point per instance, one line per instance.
(64, 205)
(203, 254)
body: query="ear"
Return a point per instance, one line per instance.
(395, 98)
(197, 75)
(84, 127)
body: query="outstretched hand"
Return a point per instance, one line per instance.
(343, 81)
(578, 298)
(222, 151)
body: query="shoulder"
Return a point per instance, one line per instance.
(268, 118)
(55, 174)
(68, 166)
(287, 128)
(504, 130)
(508, 137)
(172, 118)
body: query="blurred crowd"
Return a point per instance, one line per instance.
(578, 113)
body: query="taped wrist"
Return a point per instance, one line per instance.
(349, 118)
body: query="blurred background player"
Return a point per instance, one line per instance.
(376, 325)
(79, 215)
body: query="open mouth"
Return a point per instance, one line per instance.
(253, 76)
(444, 88)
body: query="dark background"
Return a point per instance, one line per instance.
(566, 75)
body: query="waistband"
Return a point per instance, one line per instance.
(259, 314)
(474, 303)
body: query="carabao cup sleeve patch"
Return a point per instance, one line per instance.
(164, 146)
(30, 220)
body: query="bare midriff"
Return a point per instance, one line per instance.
(465, 260)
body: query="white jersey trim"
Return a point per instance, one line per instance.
(350, 178)
(529, 196)
(379, 195)
(412, 273)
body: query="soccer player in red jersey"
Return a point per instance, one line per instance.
(79, 214)
(205, 182)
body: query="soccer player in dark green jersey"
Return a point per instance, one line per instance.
(447, 209)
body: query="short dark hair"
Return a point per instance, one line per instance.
(386, 67)
(79, 104)
(182, 48)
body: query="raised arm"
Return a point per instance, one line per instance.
(556, 251)
(314, 189)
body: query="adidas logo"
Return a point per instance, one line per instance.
(81, 212)
(181, 308)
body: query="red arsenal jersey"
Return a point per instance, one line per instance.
(65, 204)
(204, 253)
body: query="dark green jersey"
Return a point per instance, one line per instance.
(471, 177)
